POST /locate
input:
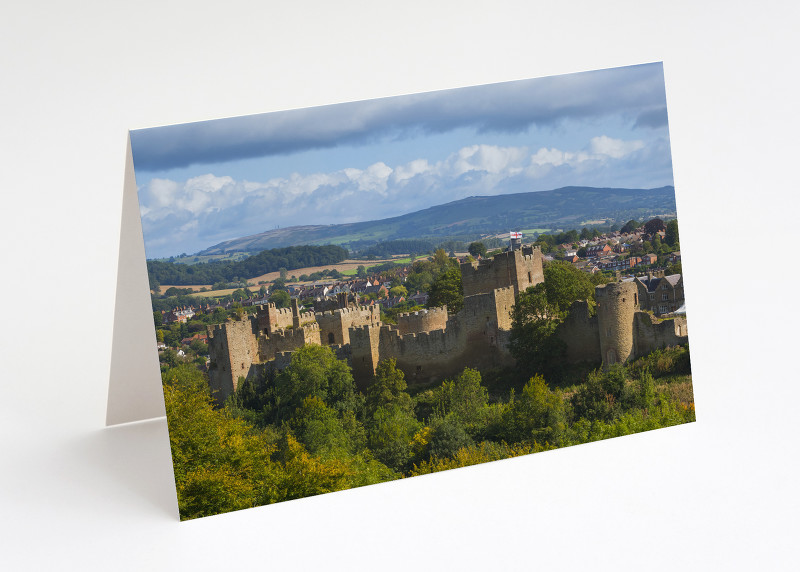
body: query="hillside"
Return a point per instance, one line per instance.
(566, 208)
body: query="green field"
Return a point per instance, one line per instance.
(197, 259)
(535, 230)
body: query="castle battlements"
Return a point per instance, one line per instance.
(430, 345)
(423, 320)
(344, 312)
(516, 268)
(423, 312)
(292, 332)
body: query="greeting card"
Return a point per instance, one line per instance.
(351, 294)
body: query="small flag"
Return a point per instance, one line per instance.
(515, 235)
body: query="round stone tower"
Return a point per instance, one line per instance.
(616, 305)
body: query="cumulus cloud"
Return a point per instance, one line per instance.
(510, 107)
(204, 210)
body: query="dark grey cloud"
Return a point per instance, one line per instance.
(187, 216)
(635, 91)
(652, 118)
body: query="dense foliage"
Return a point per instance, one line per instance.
(539, 311)
(308, 430)
(289, 258)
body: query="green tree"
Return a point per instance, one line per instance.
(447, 289)
(390, 435)
(533, 341)
(654, 225)
(282, 272)
(219, 464)
(280, 298)
(603, 395)
(391, 424)
(464, 398)
(629, 226)
(199, 347)
(389, 388)
(448, 435)
(158, 319)
(315, 372)
(564, 284)
(538, 415)
(441, 261)
(397, 291)
(320, 430)
(656, 243)
(238, 310)
(477, 249)
(361, 271)
(671, 237)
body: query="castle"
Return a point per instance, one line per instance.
(430, 345)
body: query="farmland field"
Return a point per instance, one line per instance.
(347, 268)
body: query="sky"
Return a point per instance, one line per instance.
(202, 183)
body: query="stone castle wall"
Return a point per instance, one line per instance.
(580, 331)
(652, 334)
(519, 269)
(616, 305)
(364, 351)
(287, 340)
(475, 337)
(232, 349)
(271, 319)
(334, 326)
(429, 345)
(422, 320)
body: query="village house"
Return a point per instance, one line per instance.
(597, 250)
(649, 259)
(178, 315)
(660, 294)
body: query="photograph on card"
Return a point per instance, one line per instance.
(355, 293)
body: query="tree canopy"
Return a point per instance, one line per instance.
(447, 289)
(477, 249)
(292, 257)
(654, 225)
(671, 236)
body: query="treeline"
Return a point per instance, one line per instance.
(415, 247)
(290, 258)
(309, 430)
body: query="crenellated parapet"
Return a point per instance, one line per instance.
(335, 324)
(271, 318)
(287, 340)
(518, 269)
(232, 350)
(422, 320)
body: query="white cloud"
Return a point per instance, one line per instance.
(489, 158)
(615, 148)
(207, 209)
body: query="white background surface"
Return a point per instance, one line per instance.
(717, 494)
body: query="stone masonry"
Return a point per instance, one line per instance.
(431, 345)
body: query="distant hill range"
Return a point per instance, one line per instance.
(470, 218)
